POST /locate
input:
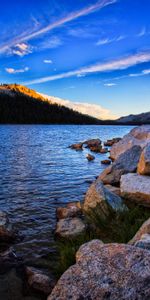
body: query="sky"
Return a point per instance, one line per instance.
(93, 53)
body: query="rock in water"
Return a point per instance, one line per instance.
(92, 143)
(106, 201)
(70, 228)
(77, 146)
(6, 231)
(144, 163)
(72, 210)
(137, 136)
(106, 271)
(39, 280)
(90, 157)
(136, 188)
(127, 162)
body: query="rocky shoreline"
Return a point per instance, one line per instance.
(110, 271)
(102, 270)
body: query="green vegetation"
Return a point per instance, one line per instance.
(119, 228)
(20, 105)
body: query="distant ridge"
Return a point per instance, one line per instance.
(21, 105)
(143, 118)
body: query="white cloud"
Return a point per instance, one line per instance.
(51, 43)
(21, 49)
(109, 84)
(108, 41)
(70, 17)
(47, 61)
(94, 110)
(146, 72)
(142, 32)
(117, 64)
(15, 71)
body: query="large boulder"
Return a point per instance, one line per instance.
(106, 201)
(6, 230)
(144, 163)
(136, 188)
(144, 229)
(126, 163)
(70, 228)
(144, 242)
(106, 271)
(137, 136)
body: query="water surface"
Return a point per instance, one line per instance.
(38, 173)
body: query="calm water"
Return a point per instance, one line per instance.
(38, 172)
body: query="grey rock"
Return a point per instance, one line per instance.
(106, 271)
(70, 227)
(136, 188)
(144, 162)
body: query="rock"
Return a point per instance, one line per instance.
(70, 211)
(126, 163)
(77, 146)
(106, 162)
(104, 150)
(92, 143)
(137, 136)
(113, 189)
(39, 280)
(136, 188)
(144, 242)
(144, 229)
(96, 149)
(90, 157)
(70, 228)
(6, 230)
(111, 142)
(106, 271)
(99, 195)
(144, 163)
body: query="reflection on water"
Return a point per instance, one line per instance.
(38, 172)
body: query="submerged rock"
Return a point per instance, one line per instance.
(102, 198)
(70, 227)
(106, 271)
(90, 157)
(39, 281)
(126, 163)
(6, 230)
(136, 188)
(137, 136)
(106, 162)
(144, 163)
(77, 146)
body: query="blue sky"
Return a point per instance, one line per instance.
(86, 51)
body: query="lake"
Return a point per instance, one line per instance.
(38, 173)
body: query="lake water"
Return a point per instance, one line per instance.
(38, 173)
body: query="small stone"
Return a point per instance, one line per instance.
(70, 227)
(106, 162)
(90, 157)
(39, 281)
(77, 146)
(72, 210)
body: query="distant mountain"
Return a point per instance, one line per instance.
(143, 118)
(20, 105)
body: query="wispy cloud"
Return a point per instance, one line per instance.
(94, 110)
(70, 17)
(21, 49)
(108, 41)
(47, 61)
(15, 71)
(142, 32)
(51, 43)
(132, 75)
(118, 64)
(109, 84)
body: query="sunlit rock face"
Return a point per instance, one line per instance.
(106, 271)
(137, 136)
(144, 163)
